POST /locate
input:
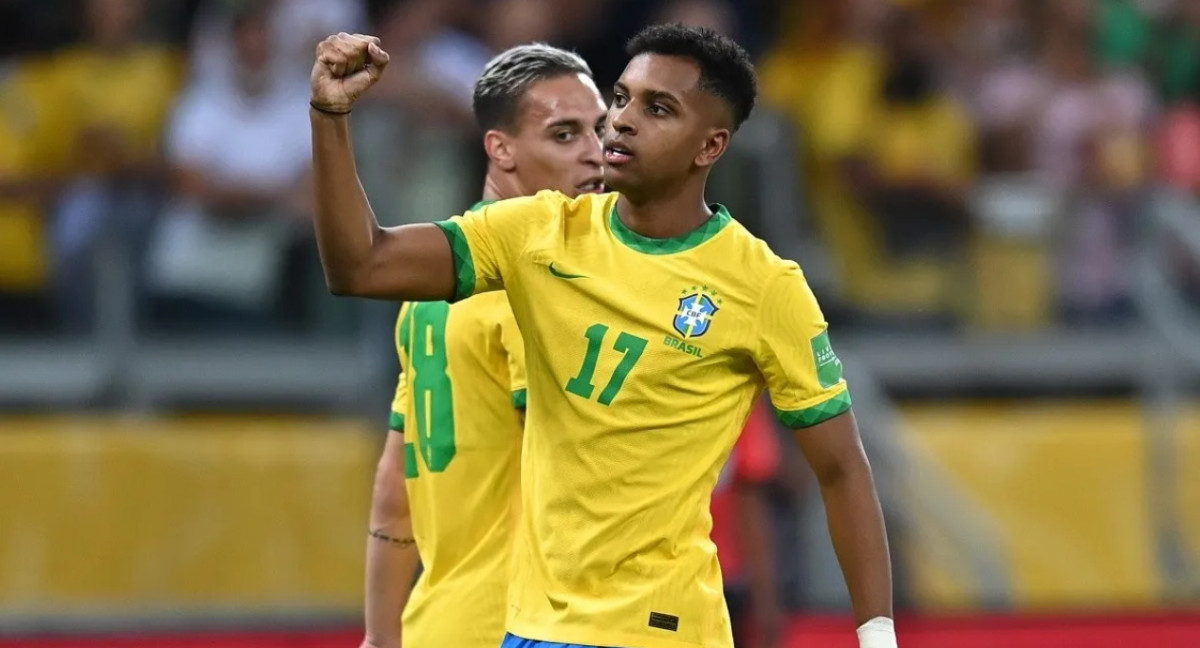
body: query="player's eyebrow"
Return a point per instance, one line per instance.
(651, 96)
(569, 122)
(664, 97)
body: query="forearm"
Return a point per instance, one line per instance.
(856, 528)
(346, 228)
(391, 566)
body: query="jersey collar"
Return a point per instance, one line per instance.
(649, 245)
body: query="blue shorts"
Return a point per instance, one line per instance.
(512, 641)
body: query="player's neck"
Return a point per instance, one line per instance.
(501, 186)
(665, 217)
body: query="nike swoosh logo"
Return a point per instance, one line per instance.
(563, 275)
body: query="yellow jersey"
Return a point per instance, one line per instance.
(461, 387)
(644, 359)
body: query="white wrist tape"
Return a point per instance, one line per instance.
(879, 632)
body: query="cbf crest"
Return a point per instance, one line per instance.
(696, 310)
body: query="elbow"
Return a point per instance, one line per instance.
(344, 282)
(339, 286)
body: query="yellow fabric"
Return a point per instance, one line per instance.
(617, 473)
(465, 515)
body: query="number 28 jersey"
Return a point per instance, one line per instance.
(644, 357)
(457, 402)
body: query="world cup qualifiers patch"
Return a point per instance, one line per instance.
(829, 367)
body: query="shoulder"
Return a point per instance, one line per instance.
(756, 262)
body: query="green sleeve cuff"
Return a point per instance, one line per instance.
(464, 265)
(520, 397)
(396, 422)
(818, 413)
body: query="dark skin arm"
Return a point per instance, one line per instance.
(360, 258)
(834, 450)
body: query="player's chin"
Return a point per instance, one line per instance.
(618, 178)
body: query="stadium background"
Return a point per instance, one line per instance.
(995, 200)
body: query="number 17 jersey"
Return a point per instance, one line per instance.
(643, 359)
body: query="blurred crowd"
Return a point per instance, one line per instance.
(983, 163)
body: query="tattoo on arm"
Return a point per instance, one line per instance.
(378, 534)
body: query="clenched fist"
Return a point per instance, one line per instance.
(347, 64)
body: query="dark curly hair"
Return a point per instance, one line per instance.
(725, 67)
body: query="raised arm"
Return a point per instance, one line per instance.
(360, 258)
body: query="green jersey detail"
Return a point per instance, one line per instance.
(429, 384)
(396, 422)
(818, 413)
(564, 275)
(829, 367)
(519, 398)
(649, 245)
(464, 265)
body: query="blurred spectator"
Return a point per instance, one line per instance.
(918, 156)
(115, 91)
(890, 155)
(822, 77)
(1090, 144)
(239, 150)
(1177, 64)
(294, 27)
(28, 116)
(743, 531)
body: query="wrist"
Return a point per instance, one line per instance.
(879, 632)
(329, 109)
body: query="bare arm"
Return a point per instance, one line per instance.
(391, 551)
(835, 452)
(360, 258)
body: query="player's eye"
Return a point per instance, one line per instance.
(658, 110)
(564, 136)
(619, 100)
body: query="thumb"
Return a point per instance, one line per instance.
(377, 56)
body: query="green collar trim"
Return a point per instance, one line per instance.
(649, 245)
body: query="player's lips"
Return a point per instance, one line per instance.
(616, 153)
(593, 185)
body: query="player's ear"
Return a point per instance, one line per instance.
(713, 148)
(499, 147)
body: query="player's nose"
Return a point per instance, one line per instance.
(621, 120)
(593, 152)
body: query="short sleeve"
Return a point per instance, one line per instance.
(514, 349)
(486, 242)
(795, 356)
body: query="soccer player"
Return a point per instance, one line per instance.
(453, 453)
(651, 322)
